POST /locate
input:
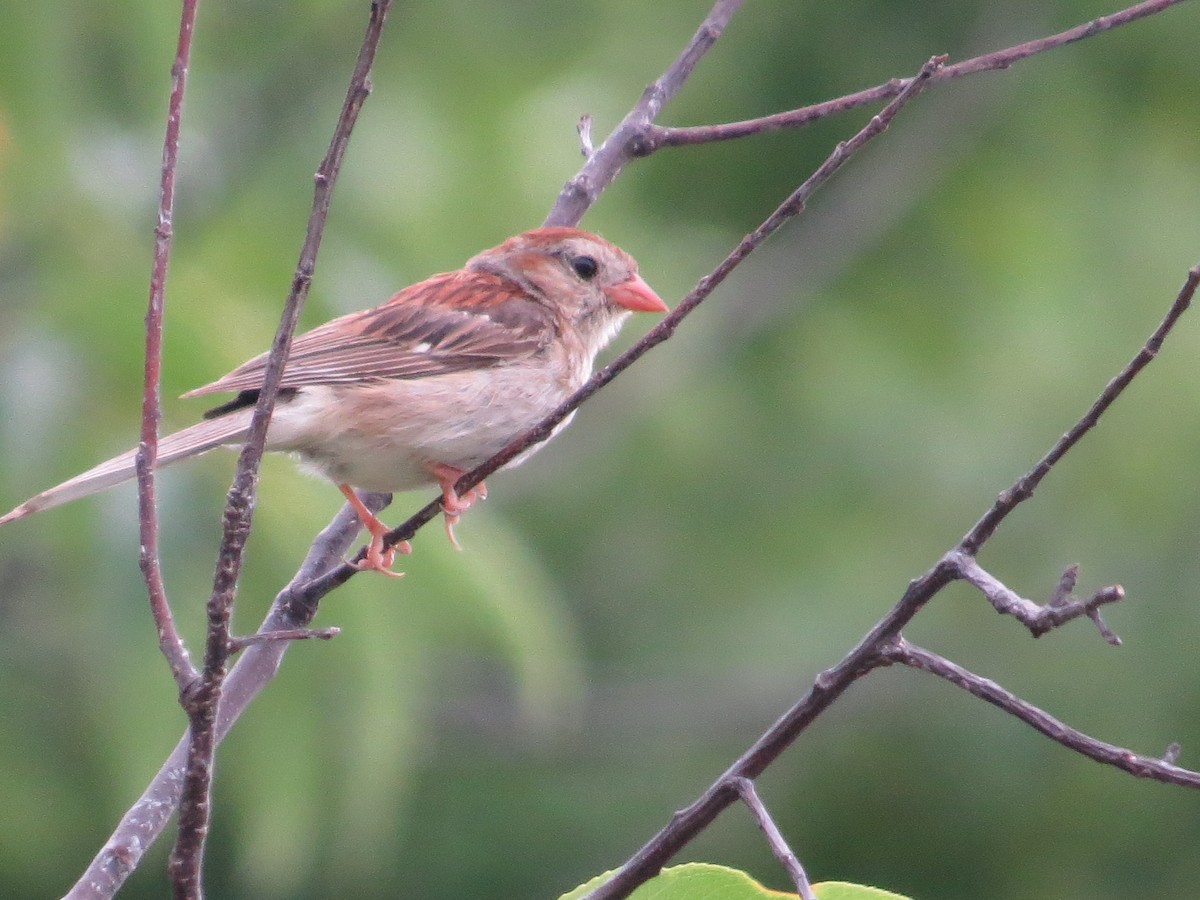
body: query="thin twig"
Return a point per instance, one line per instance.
(655, 137)
(201, 703)
(1039, 619)
(1025, 486)
(145, 820)
(1158, 769)
(237, 644)
(169, 641)
(829, 685)
(624, 143)
(775, 839)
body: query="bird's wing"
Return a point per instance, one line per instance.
(449, 323)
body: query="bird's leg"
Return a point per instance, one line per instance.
(454, 505)
(379, 558)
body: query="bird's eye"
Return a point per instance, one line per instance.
(585, 267)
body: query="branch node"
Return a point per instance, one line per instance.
(1061, 608)
(639, 145)
(1171, 755)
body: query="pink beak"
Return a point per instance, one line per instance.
(635, 294)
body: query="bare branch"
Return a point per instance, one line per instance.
(202, 699)
(655, 137)
(871, 653)
(237, 644)
(1163, 769)
(779, 845)
(1062, 608)
(1025, 486)
(169, 641)
(624, 144)
(145, 820)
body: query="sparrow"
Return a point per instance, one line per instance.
(420, 390)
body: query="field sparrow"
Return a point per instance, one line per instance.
(425, 387)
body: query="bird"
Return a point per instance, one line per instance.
(423, 388)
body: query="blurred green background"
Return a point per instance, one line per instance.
(636, 605)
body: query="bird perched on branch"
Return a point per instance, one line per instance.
(424, 388)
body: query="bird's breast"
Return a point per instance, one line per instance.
(383, 435)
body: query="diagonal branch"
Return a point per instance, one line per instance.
(1162, 769)
(775, 839)
(625, 142)
(869, 654)
(655, 137)
(1027, 484)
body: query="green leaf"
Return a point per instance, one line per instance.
(704, 881)
(842, 890)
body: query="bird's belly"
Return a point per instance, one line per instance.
(385, 436)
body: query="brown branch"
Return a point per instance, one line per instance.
(237, 644)
(1160, 769)
(625, 142)
(145, 820)
(870, 653)
(775, 839)
(202, 700)
(655, 137)
(1039, 619)
(169, 641)
(1025, 486)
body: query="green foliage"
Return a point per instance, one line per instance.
(703, 881)
(636, 604)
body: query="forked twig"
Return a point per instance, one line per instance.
(639, 135)
(882, 647)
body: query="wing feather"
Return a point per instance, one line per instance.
(449, 323)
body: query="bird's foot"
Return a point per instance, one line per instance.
(380, 557)
(454, 504)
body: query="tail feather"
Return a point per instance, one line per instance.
(193, 441)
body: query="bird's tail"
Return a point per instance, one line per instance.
(199, 438)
